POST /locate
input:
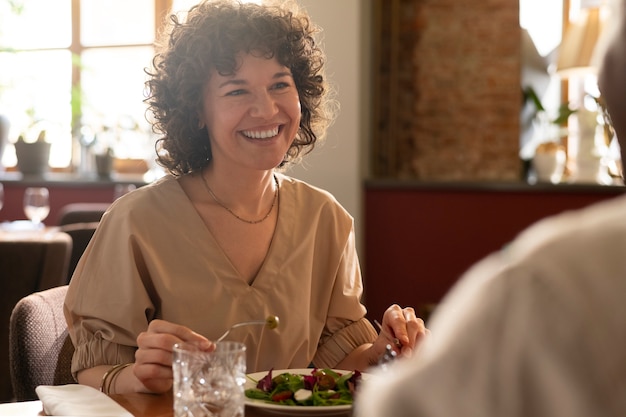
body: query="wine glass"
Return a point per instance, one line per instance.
(36, 204)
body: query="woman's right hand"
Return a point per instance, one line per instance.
(153, 358)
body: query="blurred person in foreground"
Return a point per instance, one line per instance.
(537, 329)
(238, 94)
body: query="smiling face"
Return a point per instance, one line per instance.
(253, 115)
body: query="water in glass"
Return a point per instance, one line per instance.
(209, 384)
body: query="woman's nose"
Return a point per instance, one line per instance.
(264, 106)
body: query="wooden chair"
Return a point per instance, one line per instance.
(82, 213)
(81, 234)
(40, 348)
(28, 263)
(80, 220)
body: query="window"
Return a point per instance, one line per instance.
(568, 36)
(75, 68)
(72, 64)
(543, 20)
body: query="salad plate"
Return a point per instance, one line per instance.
(295, 410)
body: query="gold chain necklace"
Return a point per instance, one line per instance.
(217, 200)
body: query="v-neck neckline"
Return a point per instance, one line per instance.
(269, 259)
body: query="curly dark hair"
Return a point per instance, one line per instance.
(210, 37)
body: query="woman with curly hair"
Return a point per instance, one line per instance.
(237, 93)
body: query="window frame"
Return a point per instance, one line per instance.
(77, 49)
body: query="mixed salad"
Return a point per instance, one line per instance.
(322, 387)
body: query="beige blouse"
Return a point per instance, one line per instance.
(153, 257)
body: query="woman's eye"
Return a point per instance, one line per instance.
(235, 92)
(280, 85)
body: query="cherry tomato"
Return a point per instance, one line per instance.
(282, 396)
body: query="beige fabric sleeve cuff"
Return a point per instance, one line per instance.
(100, 352)
(334, 349)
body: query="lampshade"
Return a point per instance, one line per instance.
(578, 45)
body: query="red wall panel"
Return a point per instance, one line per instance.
(420, 238)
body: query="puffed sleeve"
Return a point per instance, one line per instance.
(346, 326)
(108, 301)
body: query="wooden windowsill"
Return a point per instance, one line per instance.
(69, 179)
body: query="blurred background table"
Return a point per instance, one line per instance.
(30, 261)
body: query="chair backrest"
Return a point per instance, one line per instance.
(80, 220)
(81, 234)
(40, 349)
(82, 213)
(28, 263)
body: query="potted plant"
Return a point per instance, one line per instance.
(549, 157)
(33, 157)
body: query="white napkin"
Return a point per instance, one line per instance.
(78, 400)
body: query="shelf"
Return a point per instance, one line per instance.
(58, 179)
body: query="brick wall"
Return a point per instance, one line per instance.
(447, 92)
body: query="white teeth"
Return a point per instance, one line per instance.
(263, 134)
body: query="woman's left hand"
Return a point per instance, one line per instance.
(401, 329)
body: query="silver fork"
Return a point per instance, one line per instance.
(390, 354)
(271, 322)
(396, 341)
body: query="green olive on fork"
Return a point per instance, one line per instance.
(271, 322)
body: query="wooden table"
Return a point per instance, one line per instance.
(149, 405)
(152, 405)
(144, 405)
(139, 405)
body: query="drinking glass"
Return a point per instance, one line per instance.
(36, 204)
(209, 384)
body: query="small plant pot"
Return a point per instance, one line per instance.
(32, 158)
(550, 165)
(104, 165)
